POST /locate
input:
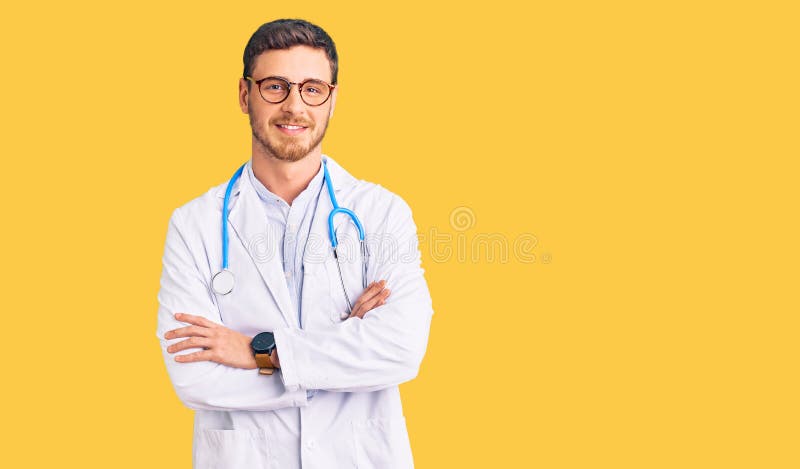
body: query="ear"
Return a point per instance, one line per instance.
(333, 100)
(244, 95)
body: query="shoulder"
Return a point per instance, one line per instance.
(200, 208)
(386, 210)
(367, 196)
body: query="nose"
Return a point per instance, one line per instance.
(293, 104)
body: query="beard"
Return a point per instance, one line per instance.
(286, 148)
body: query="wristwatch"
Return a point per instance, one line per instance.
(263, 344)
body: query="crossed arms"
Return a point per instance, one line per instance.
(366, 352)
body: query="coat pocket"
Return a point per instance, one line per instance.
(232, 449)
(382, 444)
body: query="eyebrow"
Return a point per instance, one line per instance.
(301, 81)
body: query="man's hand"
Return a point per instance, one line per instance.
(375, 295)
(222, 345)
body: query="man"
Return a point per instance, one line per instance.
(281, 370)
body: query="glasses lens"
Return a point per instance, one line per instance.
(274, 90)
(315, 92)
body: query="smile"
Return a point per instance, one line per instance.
(291, 129)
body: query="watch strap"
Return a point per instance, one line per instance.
(263, 360)
(264, 364)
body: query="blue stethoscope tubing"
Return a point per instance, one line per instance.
(222, 282)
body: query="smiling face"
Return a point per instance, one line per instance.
(290, 130)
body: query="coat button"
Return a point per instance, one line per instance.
(310, 444)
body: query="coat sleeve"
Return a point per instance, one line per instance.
(205, 385)
(383, 349)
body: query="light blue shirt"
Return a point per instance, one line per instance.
(289, 228)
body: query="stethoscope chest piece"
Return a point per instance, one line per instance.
(222, 282)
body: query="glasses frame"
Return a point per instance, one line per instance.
(300, 85)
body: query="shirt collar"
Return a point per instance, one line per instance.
(267, 196)
(342, 180)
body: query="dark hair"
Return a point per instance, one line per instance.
(286, 33)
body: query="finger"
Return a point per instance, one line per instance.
(366, 294)
(368, 306)
(188, 331)
(358, 308)
(364, 313)
(374, 302)
(201, 356)
(370, 292)
(192, 319)
(192, 342)
(356, 311)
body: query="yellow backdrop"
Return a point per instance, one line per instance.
(606, 194)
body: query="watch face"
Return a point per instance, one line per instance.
(263, 342)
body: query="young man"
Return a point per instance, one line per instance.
(255, 318)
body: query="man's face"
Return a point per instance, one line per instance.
(269, 121)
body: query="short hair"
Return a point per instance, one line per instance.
(286, 33)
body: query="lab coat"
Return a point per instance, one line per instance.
(247, 420)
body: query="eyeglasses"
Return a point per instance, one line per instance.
(276, 89)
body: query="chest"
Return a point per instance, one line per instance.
(260, 299)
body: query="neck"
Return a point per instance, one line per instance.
(286, 179)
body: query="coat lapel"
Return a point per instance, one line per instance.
(249, 222)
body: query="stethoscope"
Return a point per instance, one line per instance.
(222, 282)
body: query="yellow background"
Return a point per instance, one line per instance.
(650, 147)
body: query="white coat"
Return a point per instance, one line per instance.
(247, 420)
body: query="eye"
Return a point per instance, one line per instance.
(273, 85)
(315, 88)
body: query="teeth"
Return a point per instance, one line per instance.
(291, 127)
